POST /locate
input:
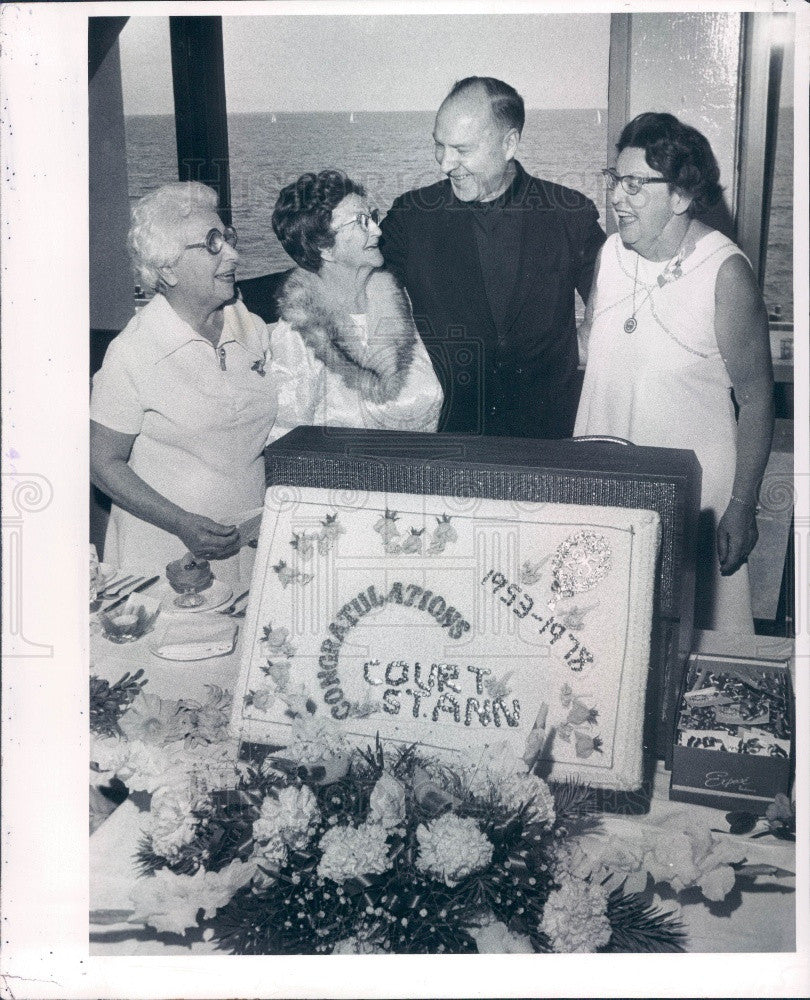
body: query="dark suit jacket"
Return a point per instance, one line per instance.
(524, 383)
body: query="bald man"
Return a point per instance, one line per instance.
(491, 258)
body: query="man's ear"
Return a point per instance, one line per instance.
(511, 141)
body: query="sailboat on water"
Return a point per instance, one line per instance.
(273, 119)
(351, 117)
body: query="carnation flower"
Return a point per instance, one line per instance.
(575, 917)
(387, 802)
(493, 937)
(451, 847)
(290, 815)
(532, 792)
(171, 823)
(500, 769)
(349, 852)
(170, 902)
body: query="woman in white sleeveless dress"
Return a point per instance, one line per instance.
(674, 322)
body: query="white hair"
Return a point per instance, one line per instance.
(155, 236)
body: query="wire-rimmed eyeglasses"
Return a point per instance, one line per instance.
(631, 183)
(215, 240)
(363, 219)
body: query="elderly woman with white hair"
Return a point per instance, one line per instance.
(182, 408)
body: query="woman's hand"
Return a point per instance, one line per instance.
(737, 534)
(207, 539)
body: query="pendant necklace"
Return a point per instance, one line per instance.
(670, 273)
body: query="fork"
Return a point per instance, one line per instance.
(115, 588)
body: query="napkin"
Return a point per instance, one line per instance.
(250, 526)
(198, 640)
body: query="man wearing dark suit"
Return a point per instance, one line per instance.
(491, 258)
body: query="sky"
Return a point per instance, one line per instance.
(383, 63)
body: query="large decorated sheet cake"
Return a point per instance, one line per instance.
(455, 623)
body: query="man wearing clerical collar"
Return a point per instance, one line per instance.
(491, 258)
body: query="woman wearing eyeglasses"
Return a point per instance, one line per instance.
(181, 408)
(346, 333)
(674, 322)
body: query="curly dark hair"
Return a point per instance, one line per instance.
(302, 218)
(679, 152)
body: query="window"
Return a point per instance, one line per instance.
(360, 93)
(146, 77)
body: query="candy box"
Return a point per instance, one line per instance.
(734, 737)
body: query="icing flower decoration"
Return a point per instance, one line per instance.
(275, 642)
(452, 847)
(414, 542)
(331, 529)
(574, 617)
(579, 713)
(351, 852)
(443, 534)
(575, 917)
(531, 572)
(303, 545)
(287, 575)
(278, 671)
(586, 745)
(387, 528)
(262, 700)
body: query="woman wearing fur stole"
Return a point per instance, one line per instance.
(346, 339)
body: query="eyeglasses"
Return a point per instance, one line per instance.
(363, 219)
(215, 240)
(630, 182)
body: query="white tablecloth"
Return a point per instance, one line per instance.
(760, 919)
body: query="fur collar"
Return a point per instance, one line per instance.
(378, 372)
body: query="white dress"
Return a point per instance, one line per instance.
(666, 385)
(200, 415)
(316, 394)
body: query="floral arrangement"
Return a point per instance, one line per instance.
(321, 848)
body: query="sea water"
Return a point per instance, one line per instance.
(392, 152)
